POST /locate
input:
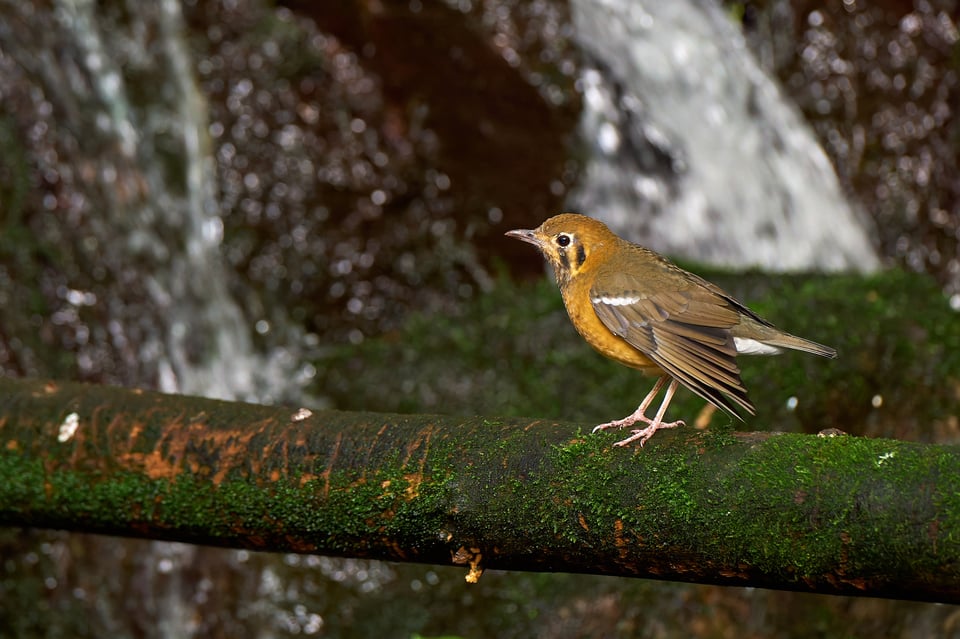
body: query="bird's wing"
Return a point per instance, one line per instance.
(683, 328)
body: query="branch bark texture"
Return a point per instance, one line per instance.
(839, 515)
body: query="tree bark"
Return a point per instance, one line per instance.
(840, 515)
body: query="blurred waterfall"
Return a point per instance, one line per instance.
(692, 149)
(131, 181)
(128, 186)
(226, 363)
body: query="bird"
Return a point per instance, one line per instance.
(640, 309)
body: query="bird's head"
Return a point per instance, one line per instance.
(570, 242)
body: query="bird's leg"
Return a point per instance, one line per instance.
(657, 422)
(638, 415)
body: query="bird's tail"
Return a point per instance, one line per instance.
(754, 336)
(786, 340)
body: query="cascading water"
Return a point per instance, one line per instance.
(129, 178)
(693, 150)
(130, 181)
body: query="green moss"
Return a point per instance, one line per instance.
(806, 543)
(788, 509)
(356, 506)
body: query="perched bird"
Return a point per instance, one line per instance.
(642, 310)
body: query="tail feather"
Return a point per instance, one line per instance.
(786, 340)
(755, 338)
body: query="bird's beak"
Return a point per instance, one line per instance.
(527, 235)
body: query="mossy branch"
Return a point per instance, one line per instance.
(840, 515)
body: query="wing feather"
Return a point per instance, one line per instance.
(685, 332)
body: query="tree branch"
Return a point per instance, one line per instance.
(839, 515)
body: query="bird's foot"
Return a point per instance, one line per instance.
(630, 420)
(642, 434)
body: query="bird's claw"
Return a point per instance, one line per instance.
(643, 434)
(618, 423)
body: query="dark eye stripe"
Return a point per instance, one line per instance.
(581, 255)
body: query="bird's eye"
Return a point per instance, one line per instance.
(563, 240)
